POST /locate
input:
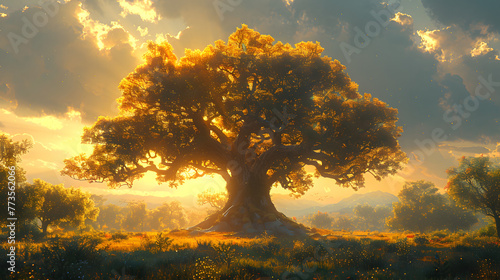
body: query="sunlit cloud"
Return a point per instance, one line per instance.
(142, 8)
(49, 122)
(106, 36)
(143, 31)
(480, 49)
(453, 42)
(403, 19)
(494, 152)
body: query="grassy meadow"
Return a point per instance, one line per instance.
(323, 255)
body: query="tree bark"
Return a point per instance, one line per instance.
(497, 223)
(45, 225)
(249, 209)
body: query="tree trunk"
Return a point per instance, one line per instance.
(497, 223)
(249, 210)
(45, 225)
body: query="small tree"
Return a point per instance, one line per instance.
(167, 216)
(110, 216)
(216, 200)
(422, 208)
(135, 219)
(372, 218)
(321, 220)
(344, 223)
(10, 156)
(475, 184)
(58, 205)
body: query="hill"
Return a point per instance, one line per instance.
(346, 205)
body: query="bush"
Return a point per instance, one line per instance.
(489, 230)
(119, 236)
(69, 259)
(226, 253)
(440, 234)
(421, 240)
(321, 220)
(30, 231)
(160, 243)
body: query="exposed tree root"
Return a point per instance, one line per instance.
(249, 220)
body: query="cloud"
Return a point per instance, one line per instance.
(453, 42)
(49, 122)
(465, 13)
(403, 19)
(495, 152)
(72, 61)
(142, 8)
(208, 21)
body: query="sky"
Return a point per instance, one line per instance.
(437, 62)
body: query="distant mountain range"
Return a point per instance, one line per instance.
(344, 206)
(284, 203)
(151, 201)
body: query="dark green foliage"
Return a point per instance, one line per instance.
(422, 208)
(474, 184)
(70, 259)
(371, 218)
(321, 220)
(421, 240)
(488, 230)
(30, 231)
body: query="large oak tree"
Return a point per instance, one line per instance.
(258, 113)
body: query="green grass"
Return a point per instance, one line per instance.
(339, 255)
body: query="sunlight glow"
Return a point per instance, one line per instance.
(429, 41)
(99, 31)
(49, 122)
(480, 49)
(403, 19)
(142, 8)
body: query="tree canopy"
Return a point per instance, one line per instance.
(475, 184)
(10, 157)
(422, 208)
(251, 110)
(56, 205)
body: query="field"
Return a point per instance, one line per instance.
(324, 255)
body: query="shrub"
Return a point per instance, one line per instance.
(226, 253)
(68, 259)
(489, 230)
(440, 234)
(160, 243)
(421, 240)
(119, 236)
(205, 268)
(30, 231)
